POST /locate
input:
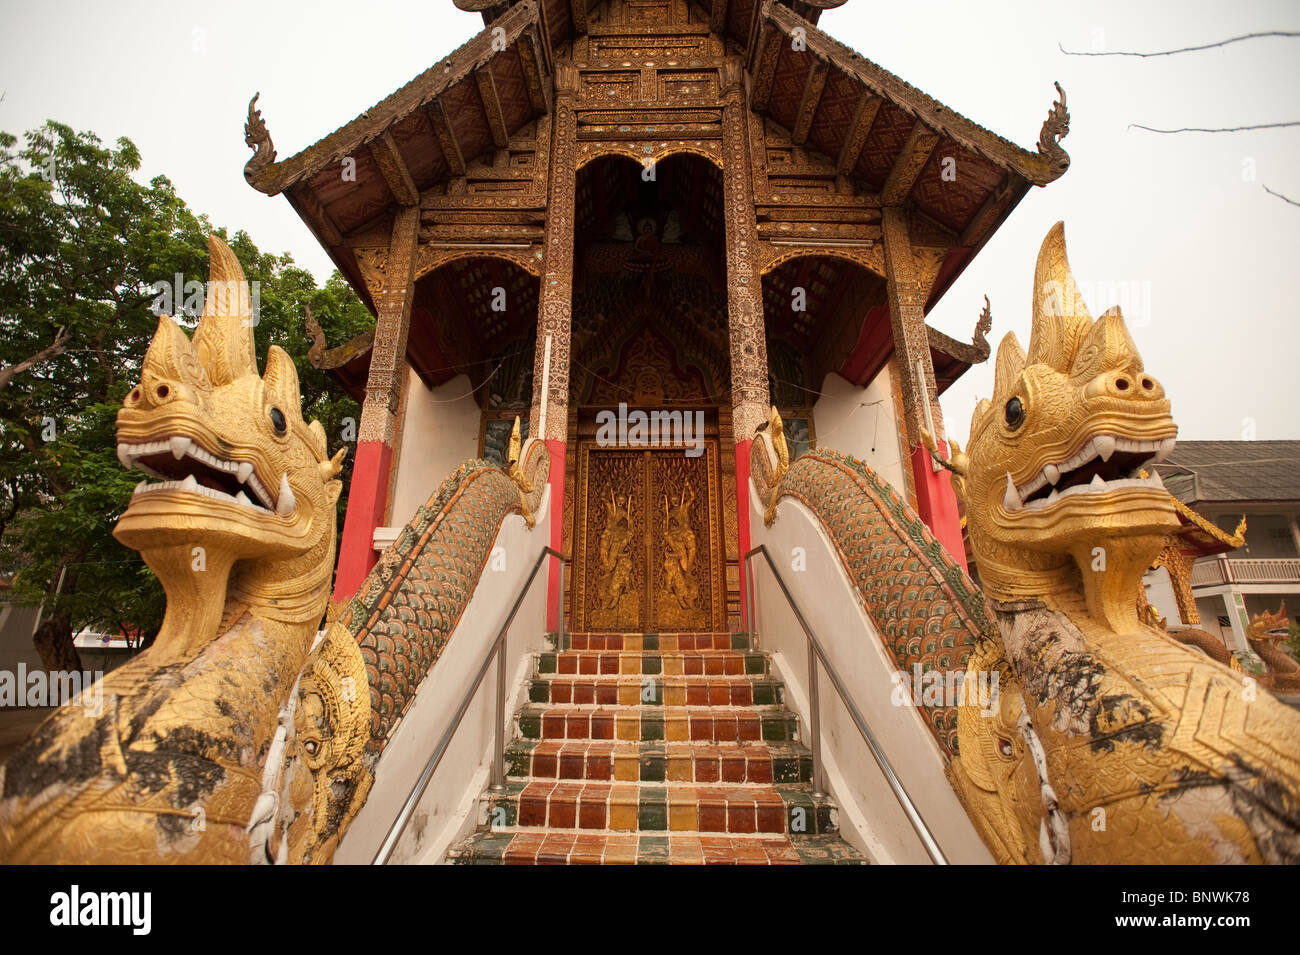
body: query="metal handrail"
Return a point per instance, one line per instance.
(497, 650)
(816, 653)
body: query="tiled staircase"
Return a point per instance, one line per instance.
(656, 748)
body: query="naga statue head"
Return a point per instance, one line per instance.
(1057, 480)
(236, 511)
(1274, 627)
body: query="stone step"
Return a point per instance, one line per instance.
(649, 807)
(763, 763)
(758, 690)
(653, 662)
(583, 848)
(673, 642)
(676, 724)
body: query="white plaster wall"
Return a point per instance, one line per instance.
(439, 433)
(861, 422)
(870, 816)
(449, 809)
(1160, 594)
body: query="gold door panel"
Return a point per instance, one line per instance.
(649, 555)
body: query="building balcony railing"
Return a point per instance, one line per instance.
(1229, 570)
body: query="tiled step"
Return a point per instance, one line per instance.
(579, 848)
(653, 662)
(679, 807)
(669, 642)
(674, 724)
(759, 690)
(762, 763)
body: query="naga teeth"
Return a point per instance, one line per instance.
(245, 471)
(242, 498)
(1052, 473)
(285, 503)
(1097, 482)
(140, 487)
(1011, 500)
(1165, 449)
(190, 483)
(1105, 445)
(179, 446)
(124, 455)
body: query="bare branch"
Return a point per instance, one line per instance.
(8, 372)
(1280, 196)
(1223, 129)
(1185, 49)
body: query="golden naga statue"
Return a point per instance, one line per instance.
(1111, 742)
(199, 750)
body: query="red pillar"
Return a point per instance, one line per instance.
(556, 481)
(937, 502)
(367, 503)
(742, 522)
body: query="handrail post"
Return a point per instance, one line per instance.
(499, 716)
(815, 721)
(750, 602)
(559, 610)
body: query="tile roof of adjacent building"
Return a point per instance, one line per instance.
(1201, 471)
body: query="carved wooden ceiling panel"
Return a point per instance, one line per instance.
(788, 86)
(888, 134)
(418, 145)
(468, 118)
(835, 111)
(971, 181)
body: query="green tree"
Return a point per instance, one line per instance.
(82, 246)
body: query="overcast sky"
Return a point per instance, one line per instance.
(1178, 228)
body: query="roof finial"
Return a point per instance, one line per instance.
(1055, 128)
(258, 138)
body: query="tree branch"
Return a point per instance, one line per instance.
(1185, 49)
(1280, 196)
(1223, 129)
(8, 372)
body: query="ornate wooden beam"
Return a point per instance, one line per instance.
(487, 91)
(812, 94)
(718, 16)
(995, 207)
(916, 152)
(764, 72)
(446, 137)
(578, 11)
(309, 208)
(530, 62)
(393, 167)
(859, 129)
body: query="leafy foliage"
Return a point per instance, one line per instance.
(82, 245)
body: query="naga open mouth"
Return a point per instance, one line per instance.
(1105, 463)
(181, 464)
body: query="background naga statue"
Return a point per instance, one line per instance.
(1112, 742)
(229, 725)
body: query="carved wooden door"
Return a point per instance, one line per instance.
(649, 554)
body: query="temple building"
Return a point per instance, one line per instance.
(687, 211)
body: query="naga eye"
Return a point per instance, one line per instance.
(1004, 745)
(311, 746)
(1014, 413)
(278, 422)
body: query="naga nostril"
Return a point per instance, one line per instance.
(1148, 384)
(1121, 384)
(163, 391)
(135, 395)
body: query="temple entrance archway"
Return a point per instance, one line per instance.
(648, 516)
